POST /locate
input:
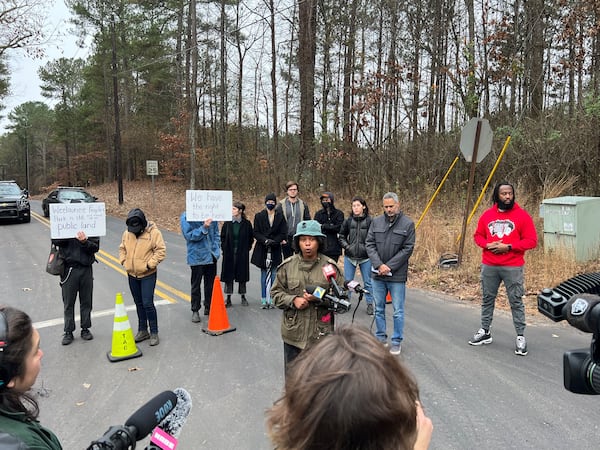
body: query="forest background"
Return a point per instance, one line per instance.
(351, 96)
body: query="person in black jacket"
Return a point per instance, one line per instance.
(270, 229)
(331, 220)
(236, 242)
(390, 243)
(79, 254)
(353, 236)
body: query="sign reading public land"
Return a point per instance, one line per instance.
(67, 219)
(201, 205)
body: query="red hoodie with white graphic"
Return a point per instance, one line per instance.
(514, 227)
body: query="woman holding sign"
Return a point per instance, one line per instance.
(79, 254)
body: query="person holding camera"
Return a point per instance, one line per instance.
(270, 229)
(306, 319)
(20, 364)
(348, 392)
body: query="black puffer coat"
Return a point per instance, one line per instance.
(353, 236)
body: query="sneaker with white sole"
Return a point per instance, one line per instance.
(521, 346)
(396, 349)
(481, 337)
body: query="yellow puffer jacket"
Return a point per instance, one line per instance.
(141, 255)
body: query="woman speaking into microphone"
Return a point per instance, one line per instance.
(305, 318)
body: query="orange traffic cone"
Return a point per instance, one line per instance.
(388, 298)
(123, 343)
(218, 323)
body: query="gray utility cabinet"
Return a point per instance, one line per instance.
(572, 224)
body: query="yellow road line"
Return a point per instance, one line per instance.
(106, 258)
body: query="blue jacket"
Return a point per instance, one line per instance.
(203, 244)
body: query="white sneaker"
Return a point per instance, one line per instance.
(396, 349)
(521, 346)
(481, 337)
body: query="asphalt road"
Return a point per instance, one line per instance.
(477, 397)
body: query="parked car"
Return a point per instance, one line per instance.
(14, 202)
(66, 195)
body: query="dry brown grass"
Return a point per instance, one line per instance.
(437, 234)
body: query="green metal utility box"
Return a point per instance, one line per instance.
(572, 224)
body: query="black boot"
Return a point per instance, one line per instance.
(244, 301)
(228, 301)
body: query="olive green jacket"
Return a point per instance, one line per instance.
(302, 327)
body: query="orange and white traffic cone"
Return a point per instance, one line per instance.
(218, 323)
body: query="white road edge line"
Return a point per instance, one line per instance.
(104, 313)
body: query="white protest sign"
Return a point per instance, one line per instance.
(66, 219)
(201, 205)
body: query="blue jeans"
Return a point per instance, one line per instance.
(263, 282)
(398, 293)
(142, 290)
(365, 271)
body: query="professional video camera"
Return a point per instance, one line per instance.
(577, 301)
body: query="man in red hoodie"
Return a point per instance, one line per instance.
(504, 232)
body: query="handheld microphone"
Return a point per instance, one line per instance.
(164, 437)
(139, 425)
(355, 286)
(330, 273)
(321, 294)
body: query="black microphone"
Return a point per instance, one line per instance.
(330, 273)
(152, 413)
(165, 435)
(321, 294)
(582, 312)
(139, 425)
(355, 286)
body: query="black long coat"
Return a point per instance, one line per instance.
(263, 231)
(238, 268)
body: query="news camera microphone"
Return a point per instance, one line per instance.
(139, 425)
(321, 294)
(164, 436)
(355, 286)
(330, 273)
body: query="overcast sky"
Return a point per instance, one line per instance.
(24, 81)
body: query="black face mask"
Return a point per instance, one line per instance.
(135, 226)
(326, 205)
(270, 206)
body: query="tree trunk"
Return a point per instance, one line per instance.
(307, 14)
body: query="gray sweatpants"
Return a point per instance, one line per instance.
(491, 276)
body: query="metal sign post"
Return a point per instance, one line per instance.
(152, 170)
(475, 144)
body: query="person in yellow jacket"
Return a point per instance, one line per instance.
(141, 250)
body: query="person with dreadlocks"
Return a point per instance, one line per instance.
(504, 232)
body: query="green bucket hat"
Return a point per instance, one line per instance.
(309, 228)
